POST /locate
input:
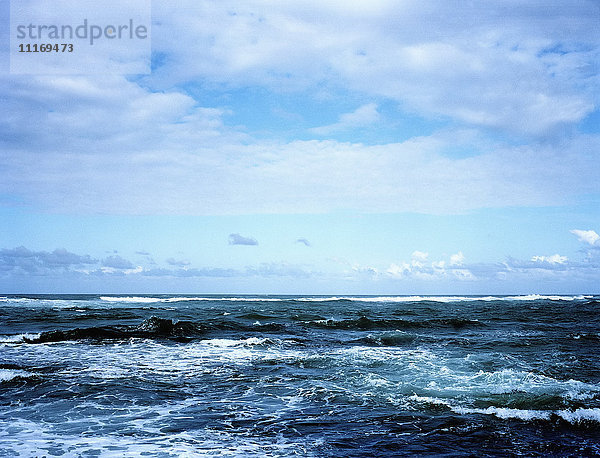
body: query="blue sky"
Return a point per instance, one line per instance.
(313, 147)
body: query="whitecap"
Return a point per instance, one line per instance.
(507, 413)
(18, 338)
(9, 374)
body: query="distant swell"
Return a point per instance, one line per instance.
(367, 299)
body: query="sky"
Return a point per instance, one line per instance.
(312, 147)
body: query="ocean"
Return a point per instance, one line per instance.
(219, 375)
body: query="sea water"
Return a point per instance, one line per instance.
(220, 375)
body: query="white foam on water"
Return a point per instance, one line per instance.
(506, 413)
(27, 438)
(9, 374)
(149, 300)
(429, 400)
(579, 415)
(132, 299)
(572, 416)
(236, 343)
(18, 338)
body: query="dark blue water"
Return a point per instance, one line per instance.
(299, 376)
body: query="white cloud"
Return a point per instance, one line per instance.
(361, 117)
(590, 237)
(421, 268)
(186, 161)
(418, 258)
(107, 144)
(457, 259)
(553, 259)
(520, 67)
(399, 270)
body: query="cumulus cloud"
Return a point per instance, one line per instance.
(590, 237)
(457, 259)
(419, 258)
(422, 268)
(237, 239)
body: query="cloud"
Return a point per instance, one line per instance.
(543, 268)
(590, 237)
(142, 253)
(420, 267)
(282, 177)
(21, 260)
(526, 71)
(188, 273)
(303, 241)
(457, 259)
(178, 262)
(117, 262)
(237, 239)
(524, 68)
(361, 117)
(274, 269)
(419, 258)
(554, 259)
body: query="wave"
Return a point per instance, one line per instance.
(17, 338)
(6, 375)
(382, 299)
(149, 300)
(364, 323)
(249, 342)
(576, 416)
(388, 339)
(152, 328)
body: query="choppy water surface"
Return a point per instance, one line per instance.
(299, 376)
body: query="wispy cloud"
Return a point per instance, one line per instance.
(361, 117)
(178, 262)
(117, 262)
(237, 239)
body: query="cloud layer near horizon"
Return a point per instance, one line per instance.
(26, 263)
